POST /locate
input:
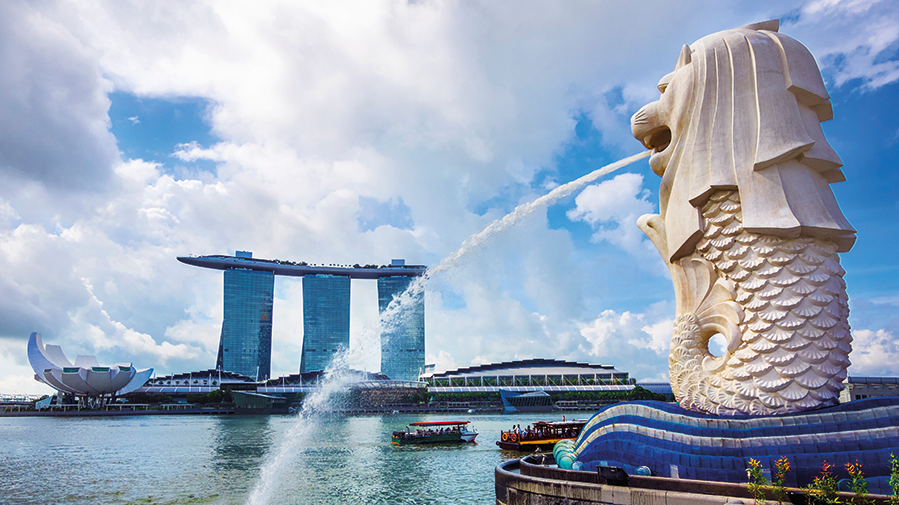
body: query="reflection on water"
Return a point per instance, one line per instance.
(240, 442)
(351, 460)
(102, 460)
(217, 459)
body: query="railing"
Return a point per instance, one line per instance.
(17, 399)
(531, 380)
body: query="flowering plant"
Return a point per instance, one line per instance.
(823, 489)
(857, 483)
(757, 481)
(781, 467)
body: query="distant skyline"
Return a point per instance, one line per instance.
(359, 132)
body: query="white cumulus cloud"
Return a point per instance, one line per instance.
(874, 353)
(612, 208)
(866, 47)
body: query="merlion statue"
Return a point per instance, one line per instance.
(748, 225)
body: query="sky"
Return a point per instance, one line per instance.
(358, 132)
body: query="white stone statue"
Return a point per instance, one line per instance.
(749, 227)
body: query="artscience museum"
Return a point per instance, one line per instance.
(85, 379)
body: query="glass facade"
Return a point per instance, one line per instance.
(403, 343)
(326, 320)
(245, 346)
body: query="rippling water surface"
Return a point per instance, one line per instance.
(217, 459)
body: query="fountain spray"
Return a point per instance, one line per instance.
(392, 315)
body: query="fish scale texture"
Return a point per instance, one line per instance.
(792, 349)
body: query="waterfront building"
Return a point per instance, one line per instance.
(245, 346)
(326, 320)
(859, 388)
(198, 382)
(403, 337)
(527, 375)
(84, 379)
(531, 385)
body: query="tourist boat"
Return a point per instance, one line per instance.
(543, 435)
(436, 432)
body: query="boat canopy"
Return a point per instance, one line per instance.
(439, 423)
(575, 422)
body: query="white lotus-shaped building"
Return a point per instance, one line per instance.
(84, 378)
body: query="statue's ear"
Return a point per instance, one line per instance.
(684, 58)
(772, 25)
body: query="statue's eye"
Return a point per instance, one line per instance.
(663, 83)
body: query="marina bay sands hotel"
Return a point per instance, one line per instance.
(245, 346)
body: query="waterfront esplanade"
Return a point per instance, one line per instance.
(249, 283)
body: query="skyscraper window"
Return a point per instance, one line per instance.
(326, 319)
(402, 341)
(245, 346)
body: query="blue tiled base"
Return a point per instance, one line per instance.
(674, 442)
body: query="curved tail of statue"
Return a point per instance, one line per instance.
(780, 304)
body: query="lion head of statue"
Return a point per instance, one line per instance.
(743, 111)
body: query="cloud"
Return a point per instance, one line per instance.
(106, 334)
(660, 337)
(874, 353)
(23, 384)
(886, 300)
(54, 102)
(191, 332)
(442, 361)
(610, 330)
(866, 47)
(18, 377)
(612, 208)
(8, 215)
(624, 337)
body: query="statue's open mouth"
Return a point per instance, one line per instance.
(649, 126)
(658, 139)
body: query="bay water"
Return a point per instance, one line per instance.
(169, 459)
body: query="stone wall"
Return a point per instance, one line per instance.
(530, 482)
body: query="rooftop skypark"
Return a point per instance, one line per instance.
(299, 269)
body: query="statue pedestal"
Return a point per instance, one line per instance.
(674, 442)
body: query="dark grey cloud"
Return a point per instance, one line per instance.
(53, 121)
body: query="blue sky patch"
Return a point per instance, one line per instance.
(151, 128)
(374, 213)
